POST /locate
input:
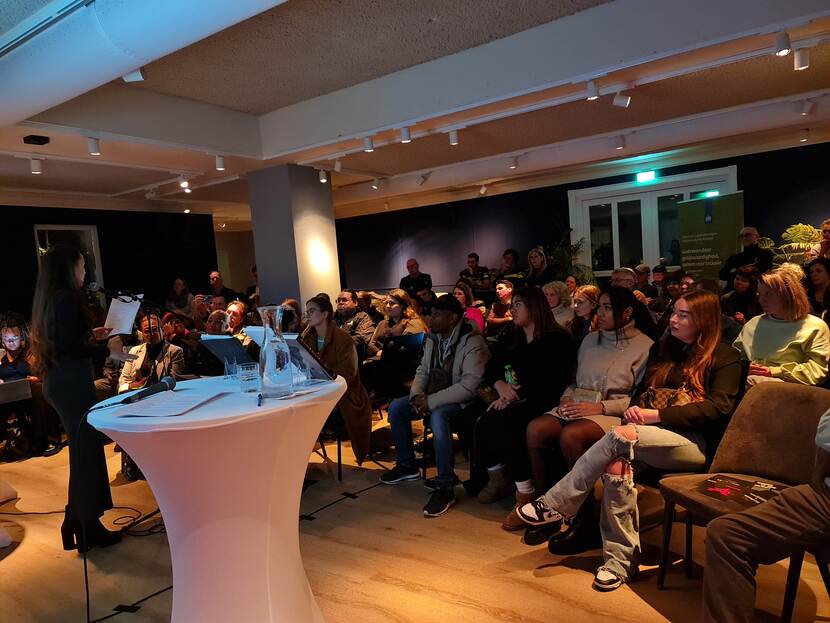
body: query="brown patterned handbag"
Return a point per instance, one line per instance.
(663, 397)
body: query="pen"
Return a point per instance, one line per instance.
(259, 400)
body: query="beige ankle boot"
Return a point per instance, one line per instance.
(497, 488)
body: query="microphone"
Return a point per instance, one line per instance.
(166, 383)
(126, 295)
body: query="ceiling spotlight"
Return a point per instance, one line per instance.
(782, 44)
(338, 165)
(453, 137)
(187, 210)
(806, 108)
(222, 225)
(619, 142)
(514, 162)
(375, 184)
(133, 76)
(422, 179)
(220, 163)
(621, 100)
(151, 194)
(405, 136)
(323, 177)
(368, 145)
(183, 183)
(188, 190)
(593, 92)
(93, 146)
(482, 190)
(804, 135)
(801, 59)
(35, 166)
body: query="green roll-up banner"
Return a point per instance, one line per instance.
(709, 232)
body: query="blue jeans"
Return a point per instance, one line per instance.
(401, 415)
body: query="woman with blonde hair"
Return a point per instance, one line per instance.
(538, 271)
(560, 302)
(678, 418)
(585, 304)
(785, 343)
(401, 319)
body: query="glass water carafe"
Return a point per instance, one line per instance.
(274, 356)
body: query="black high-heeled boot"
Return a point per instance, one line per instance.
(97, 535)
(69, 530)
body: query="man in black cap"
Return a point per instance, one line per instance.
(451, 370)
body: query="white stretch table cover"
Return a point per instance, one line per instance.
(228, 477)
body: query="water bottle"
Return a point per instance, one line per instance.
(274, 356)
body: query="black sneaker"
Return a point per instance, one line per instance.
(399, 473)
(432, 483)
(439, 502)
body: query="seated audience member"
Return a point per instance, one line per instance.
(366, 303)
(529, 369)
(426, 299)
(796, 519)
(177, 334)
(818, 279)
(237, 313)
(217, 303)
(538, 271)
(217, 323)
(415, 280)
(473, 314)
(786, 343)
(450, 373)
(752, 255)
(200, 311)
(475, 275)
(510, 269)
(356, 323)
(292, 323)
(610, 365)
(729, 327)
(627, 278)
(703, 375)
(401, 319)
(38, 423)
(155, 358)
(658, 280)
(741, 303)
(586, 302)
(673, 292)
(560, 302)
(572, 284)
(500, 314)
(822, 249)
(687, 283)
(218, 288)
(202, 361)
(179, 300)
(642, 272)
(337, 352)
(252, 291)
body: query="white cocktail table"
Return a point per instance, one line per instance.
(227, 477)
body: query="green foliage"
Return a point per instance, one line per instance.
(801, 233)
(797, 240)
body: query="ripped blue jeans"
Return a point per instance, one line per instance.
(654, 446)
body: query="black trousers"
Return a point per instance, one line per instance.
(501, 437)
(69, 387)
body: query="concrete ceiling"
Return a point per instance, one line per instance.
(12, 12)
(307, 48)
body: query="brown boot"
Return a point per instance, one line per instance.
(497, 488)
(513, 522)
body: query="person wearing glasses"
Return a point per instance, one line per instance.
(401, 319)
(337, 351)
(353, 321)
(752, 255)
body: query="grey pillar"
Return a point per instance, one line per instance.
(294, 237)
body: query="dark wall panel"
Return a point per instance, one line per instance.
(780, 188)
(140, 251)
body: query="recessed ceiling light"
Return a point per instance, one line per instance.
(323, 177)
(188, 190)
(482, 190)
(453, 137)
(593, 92)
(782, 44)
(514, 162)
(405, 136)
(806, 108)
(619, 142)
(35, 166)
(801, 59)
(187, 210)
(622, 101)
(220, 163)
(804, 135)
(93, 146)
(375, 184)
(183, 183)
(368, 145)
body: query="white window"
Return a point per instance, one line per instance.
(625, 224)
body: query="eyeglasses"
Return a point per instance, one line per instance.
(11, 339)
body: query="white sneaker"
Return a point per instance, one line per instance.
(537, 513)
(606, 580)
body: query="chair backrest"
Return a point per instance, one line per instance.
(12, 391)
(405, 349)
(772, 433)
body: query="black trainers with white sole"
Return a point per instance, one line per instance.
(606, 580)
(399, 474)
(439, 502)
(537, 513)
(432, 483)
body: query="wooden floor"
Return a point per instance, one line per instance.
(369, 558)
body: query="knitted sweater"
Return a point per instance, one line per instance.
(794, 351)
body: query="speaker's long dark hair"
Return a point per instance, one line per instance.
(56, 275)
